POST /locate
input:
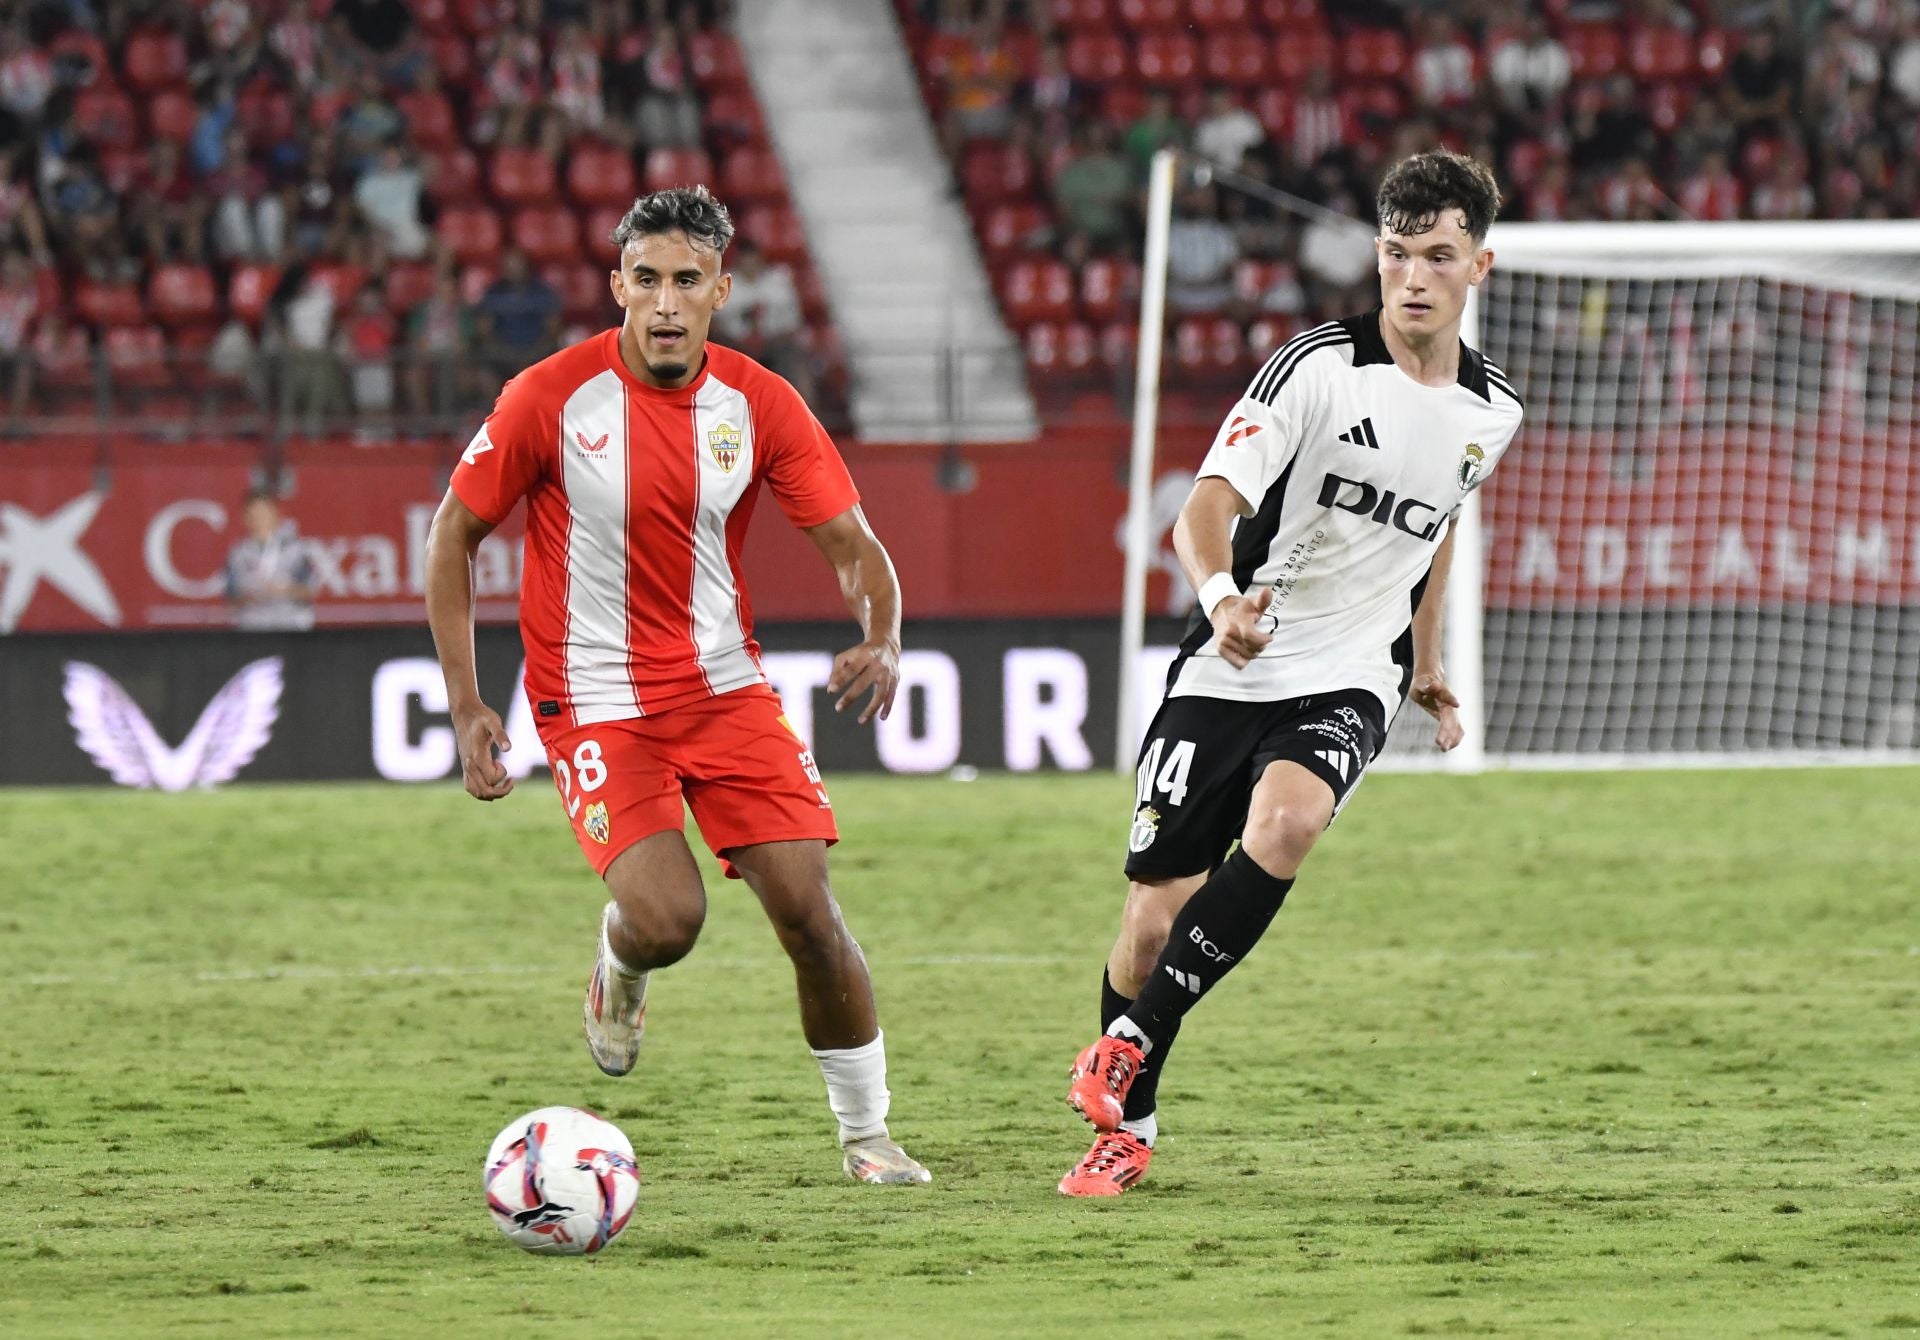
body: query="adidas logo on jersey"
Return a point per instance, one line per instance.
(1361, 435)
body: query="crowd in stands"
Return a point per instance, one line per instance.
(1587, 109)
(358, 211)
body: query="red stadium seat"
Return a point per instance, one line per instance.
(547, 233)
(1661, 53)
(715, 60)
(409, 284)
(474, 281)
(68, 366)
(83, 51)
(137, 356)
(1274, 107)
(473, 235)
(522, 177)
(1108, 289)
(430, 120)
(1209, 347)
(1119, 344)
(171, 115)
(108, 304)
(1253, 279)
(1524, 161)
(181, 295)
(1713, 48)
(1141, 15)
(1098, 56)
(751, 173)
(106, 118)
(1281, 14)
(1374, 53)
(265, 113)
(1062, 350)
(1038, 290)
(600, 175)
(345, 280)
(676, 167)
(1380, 103)
(600, 223)
(452, 56)
(777, 231)
(480, 17)
(188, 347)
(1300, 51)
(1123, 104)
(1230, 15)
(453, 176)
(1167, 59)
(435, 17)
(248, 289)
(1092, 15)
(1268, 334)
(735, 116)
(1009, 228)
(122, 169)
(583, 290)
(1236, 57)
(153, 59)
(1667, 105)
(813, 294)
(993, 173)
(1594, 50)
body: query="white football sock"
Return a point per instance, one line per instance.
(1124, 1027)
(1147, 1129)
(857, 1088)
(606, 948)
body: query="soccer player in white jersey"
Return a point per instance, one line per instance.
(1318, 536)
(640, 452)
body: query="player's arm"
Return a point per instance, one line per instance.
(1203, 539)
(871, 589)
(451, 545)
(1429, 688)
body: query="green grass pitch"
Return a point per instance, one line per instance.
(1533, 1056)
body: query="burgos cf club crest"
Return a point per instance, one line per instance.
(599, 828)
(1471, 461)
(724, 443)
(1146, 827)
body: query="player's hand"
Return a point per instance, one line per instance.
(1237, 621)
(482, 739)
(871, 665)
(1431, 693)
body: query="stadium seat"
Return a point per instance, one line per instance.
(154, 59)
(265, 113)
(171, 115)
(1119, 344)
(1380, 103)
(598, 174)
(1254, 279)
(734, 116)
(1014, 227)
(452, 56)
(1667, 104)
(122, 169)
(1209, 347)
(752, 173)
(1374, 53)
(1038, 290)
(1524, 160)
(430, 119)
(993, 173)
(248, 289)
(1097, 56)
(777, 231)
(68, 366)
(1713, 48)
(453, 176)
(137, 356)
(522, 177)
(1063, 350)
(676, 167)
(409, 284)
(1282, 14)
(547, 233)
(1268, 334)
(180, 295)
(1145, 15)
(1594, 50)
(1108, 288)
(813, 294)
(1090, 15)
(1236, 57)
(715, 60)
(344, 279)
(599, 225)
(108, 304)
(82, 51)
(435, 17)
(106, 118)
(323, 109)
(188, 347)
(480, 17)
(584, 295)
(1167, 59)
(1660, 53)
(1214, 15)
(1299, 51)
(474, 282)
(472, 235)
(1122, 104)
(1273, 105)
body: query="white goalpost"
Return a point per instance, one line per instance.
(1704, 547)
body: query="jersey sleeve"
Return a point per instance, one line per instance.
(801, 464)
(1260, 436)
(508, 455)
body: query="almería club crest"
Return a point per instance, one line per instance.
(724, 442)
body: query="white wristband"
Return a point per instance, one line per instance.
(1216, 589)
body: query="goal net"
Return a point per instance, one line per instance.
(1704, 546)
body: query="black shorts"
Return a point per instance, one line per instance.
(1202, 757)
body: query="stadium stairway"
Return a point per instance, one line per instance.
(930, 357)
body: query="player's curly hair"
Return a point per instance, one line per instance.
(683, 209)
(1417, 191)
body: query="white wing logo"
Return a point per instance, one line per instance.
(117, 735)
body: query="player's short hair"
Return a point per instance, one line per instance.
(1420, 189)
(682, 209)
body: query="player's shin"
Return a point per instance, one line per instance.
(1217, 928)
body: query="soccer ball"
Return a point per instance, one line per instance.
(561, 1182)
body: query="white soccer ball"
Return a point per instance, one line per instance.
(561, 1182)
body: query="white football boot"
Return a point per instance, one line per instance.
(877, 1160)
(615, 1012)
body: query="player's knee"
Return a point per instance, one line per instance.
(1278, 839)
(657, 933)
(810, 928)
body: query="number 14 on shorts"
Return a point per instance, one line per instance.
(1168, 777)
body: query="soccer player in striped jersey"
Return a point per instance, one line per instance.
(640, 453)
(1319, 537)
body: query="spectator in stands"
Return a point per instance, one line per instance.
(979, 87)
(249, 221)
(381, 26)
(577, 93)
(1201, 254)
(665, 114)
(1228, 132)
(1095, 191)
(367, 340)
(1531, 71)
(26, 74)
(1903, 65)
(1318, 122)
(388, 196)
(511, 88)
(232, 49)
(1761, 79)
(1618, 127)
(1156, 128)
(85, 213)
(207, 149)
(518, 316)
(1786, 193)
(19, 305)
(300, 314)
(62, 353)
(1052, 94)
(269, 573)
(370, 122)
(1443, 65)
(763, 318)
(1837, 62)
(1629, 192)
(440, 333)
(21, 223)
(1711, 193)
(1337, 256)
(317, 203)
(295, 41)
(168, 210)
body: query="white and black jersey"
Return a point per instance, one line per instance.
(1351, 472)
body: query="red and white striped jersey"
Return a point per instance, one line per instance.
(638, 501)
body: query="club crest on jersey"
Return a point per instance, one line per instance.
(724, 442)
(1146, 827)
(598, 826)
(1471, 462)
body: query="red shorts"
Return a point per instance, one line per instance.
(733, 758)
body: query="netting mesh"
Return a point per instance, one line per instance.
(1707, 537)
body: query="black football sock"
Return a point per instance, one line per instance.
(1145, 1092)
(1217, 928)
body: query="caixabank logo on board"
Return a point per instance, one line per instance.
(118, 737)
